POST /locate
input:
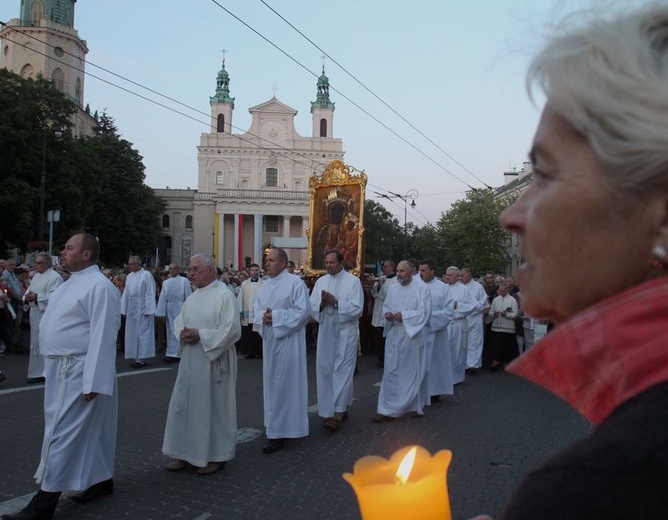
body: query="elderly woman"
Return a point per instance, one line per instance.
(594, 235)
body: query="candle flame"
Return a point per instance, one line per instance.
(406, 466)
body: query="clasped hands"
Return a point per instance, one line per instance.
(327, 298)
(189, 335)
(266, 317)
(396, 316)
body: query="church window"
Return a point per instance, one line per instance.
(27, 71)
(323, 127)
(189, 222)
(58, 79)
(77, 91)
(37, 12)
(6, 50)
(272, 178)
(221, 123)
(271, 224)
(219, 177)
(165, 221)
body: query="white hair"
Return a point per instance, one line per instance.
(206, 260)
(608, 78)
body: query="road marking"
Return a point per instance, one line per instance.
(203, 516)
(15, 504)
(124, 374)
(247, 434)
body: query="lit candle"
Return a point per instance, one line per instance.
(412, 484)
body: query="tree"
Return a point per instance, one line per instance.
(470, 233)
(96, 182)
(384, 236)
(125, 214)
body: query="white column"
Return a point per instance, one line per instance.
(221, 239)
(286, 226)
(304, 225)
(257, 240)
(236, 240)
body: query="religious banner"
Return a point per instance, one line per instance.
(336, 219)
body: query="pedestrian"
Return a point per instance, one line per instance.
(378, 293)
(201, 425)
(337, 302)
(600, 184)
(251, 341)
(77, 339)
(460, 305)
(175, 290)
(407, 309)
(43, 283)
(282, 309)
(138, 307)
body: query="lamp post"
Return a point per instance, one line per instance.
(42, 187)
(409, 195)
(52, 216)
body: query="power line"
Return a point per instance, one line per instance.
(374, 94)
(424, 154)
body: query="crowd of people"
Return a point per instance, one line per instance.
(594, 230)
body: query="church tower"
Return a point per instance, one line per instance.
(322, 109)
(222, 105)
(44, 41)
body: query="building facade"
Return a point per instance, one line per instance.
(254, 186)
(44, 41)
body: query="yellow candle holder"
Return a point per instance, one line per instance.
(395, 489)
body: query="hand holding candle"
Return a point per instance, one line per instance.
(412, 484)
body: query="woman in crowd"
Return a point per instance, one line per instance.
(594, 238)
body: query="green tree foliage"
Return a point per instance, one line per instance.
(384, 236)
(96, 182)
(469, 233)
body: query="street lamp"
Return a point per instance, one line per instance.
(409, 195)
(52, 216)
(42, 188)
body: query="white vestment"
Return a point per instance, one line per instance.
(246, 299)
(42, 284)
(438, 376)
(202, 416)
(478, 298)
(138, 305)
(405, 361)
(78, 341)
(175, 290)
(285, 384)
(338, 336)
(457, 328)
(379, 295)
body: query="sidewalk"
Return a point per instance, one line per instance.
(496, 425)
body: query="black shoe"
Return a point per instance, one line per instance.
(273, 445)
(41, 507)
(2, 376)
(138, 364)
(101, 489)
(32, 380)
(169, 359)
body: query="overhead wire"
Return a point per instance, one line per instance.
(375, 95)
(406, 141)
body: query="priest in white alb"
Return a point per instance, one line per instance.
(138, 307)
(474, 321)
(175, 290)
(201, 425)
(438, 376)
(78, 342)
(337, 302)
(43, 283)
(282, 309)
(460, 305)
(407, 309)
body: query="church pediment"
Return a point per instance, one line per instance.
(273, 107)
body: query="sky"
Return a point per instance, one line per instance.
(454, 69)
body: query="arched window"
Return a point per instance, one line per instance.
(27, 71)
(219, 177)
(189, 222)
(271, 180)
(77, 91)
(244, 184)
(165, 221)
(323, 127)
(58, 79)
(221, 123)
(298, 185)
(37, 12)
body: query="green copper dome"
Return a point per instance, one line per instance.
(222, 94)
(322, 98)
